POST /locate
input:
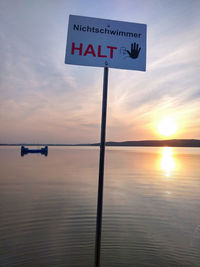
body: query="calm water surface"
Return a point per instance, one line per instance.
(151, 213)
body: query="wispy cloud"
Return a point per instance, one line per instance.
(44, 99)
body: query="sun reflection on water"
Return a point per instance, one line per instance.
(167, 162)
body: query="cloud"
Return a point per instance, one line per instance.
(43, 97)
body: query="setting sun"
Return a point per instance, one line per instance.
(167, 127)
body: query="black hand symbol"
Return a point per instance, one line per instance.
(135, 50)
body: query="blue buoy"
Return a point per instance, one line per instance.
(25, 150)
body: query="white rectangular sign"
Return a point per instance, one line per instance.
(106, 43)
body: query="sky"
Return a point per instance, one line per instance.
(43, 100)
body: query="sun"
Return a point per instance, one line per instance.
(167, 127)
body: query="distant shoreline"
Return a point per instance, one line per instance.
(147, 143)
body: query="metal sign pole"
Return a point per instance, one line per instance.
(101, 170)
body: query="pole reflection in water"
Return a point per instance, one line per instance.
(167, 162)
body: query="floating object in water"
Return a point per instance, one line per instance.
(25, 150)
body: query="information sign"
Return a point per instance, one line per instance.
(106, 43)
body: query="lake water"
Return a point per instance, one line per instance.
(151, 214)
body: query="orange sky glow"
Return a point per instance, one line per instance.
(44, 100)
